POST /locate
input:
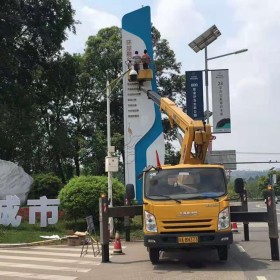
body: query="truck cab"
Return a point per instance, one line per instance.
(186, 206)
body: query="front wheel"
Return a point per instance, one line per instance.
(223, 253)
(154, 255)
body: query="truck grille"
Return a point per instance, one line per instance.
(187, 225)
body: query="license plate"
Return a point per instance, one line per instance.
(188, 239)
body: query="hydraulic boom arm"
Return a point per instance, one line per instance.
(197, 133)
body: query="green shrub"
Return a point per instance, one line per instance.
(47, 185)
(80, 197)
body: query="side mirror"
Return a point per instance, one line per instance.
(239, 185)
(130, 192)
(133, 75)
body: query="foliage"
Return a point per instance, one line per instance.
(80, 197)
(257, 186)
(231, 192)
(33, 32)
(47, 185)
(264, 181)
(171, 155)
(253, 191)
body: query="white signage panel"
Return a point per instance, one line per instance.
(220, 101)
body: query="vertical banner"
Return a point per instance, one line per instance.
(143, 132)
(194, 94)
(220, 101)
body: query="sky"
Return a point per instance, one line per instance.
(253, 75)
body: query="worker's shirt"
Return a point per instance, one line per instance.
(137, 59)
(146, 58)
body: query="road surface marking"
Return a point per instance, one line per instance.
(55, 254)
(256, 225)
(240, 248)
(35, 276)
(261, 278)
(79, 249)
(45, 267)
(66, 261)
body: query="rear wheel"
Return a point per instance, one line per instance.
(223, 253)
(154, 255)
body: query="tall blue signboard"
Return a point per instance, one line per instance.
(194, 93)
(143, 132)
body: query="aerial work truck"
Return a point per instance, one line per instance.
(185, 205)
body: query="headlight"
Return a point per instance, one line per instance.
(223, 222)
(150, 222)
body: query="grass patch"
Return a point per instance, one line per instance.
(26, 233)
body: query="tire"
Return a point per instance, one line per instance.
(154, 255)
(223, 253)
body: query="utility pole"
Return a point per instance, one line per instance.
(109, 154)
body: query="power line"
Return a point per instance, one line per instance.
(251, 162)
(257, 153)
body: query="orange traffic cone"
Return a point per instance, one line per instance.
(234, 227)
(117, 245)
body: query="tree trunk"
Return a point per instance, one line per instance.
(60, 169)
(77, 165)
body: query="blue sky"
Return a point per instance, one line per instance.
(254, 75)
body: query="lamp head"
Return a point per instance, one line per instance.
(133, 75)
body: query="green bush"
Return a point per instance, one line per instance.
(47, 185)
(80, 197)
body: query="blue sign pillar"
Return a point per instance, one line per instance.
(143, 132)
(194, 94)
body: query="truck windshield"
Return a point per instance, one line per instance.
(185, 183)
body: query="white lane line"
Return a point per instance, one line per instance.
(261, 278)
(35, 276)
(240, 248)
(61, 249)
(55, 254)
(36, 259)
(45, 267)
(256, 225)
(265, 207)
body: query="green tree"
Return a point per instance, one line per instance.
(31, 34)
(252, 188)
(47, 185)
(69, 115)
(264, 181)
(80, 197)
(103, 60)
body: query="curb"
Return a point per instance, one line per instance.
(37, 243)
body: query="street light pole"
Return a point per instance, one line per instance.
(109, 88)
(108, 91)
(237, 52)
(110, 191)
